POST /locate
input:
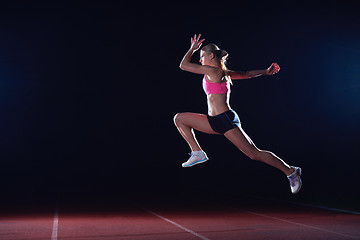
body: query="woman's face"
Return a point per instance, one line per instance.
(205, 58)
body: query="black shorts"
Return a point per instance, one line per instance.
(224, 121)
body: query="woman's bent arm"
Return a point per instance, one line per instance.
(185, 63)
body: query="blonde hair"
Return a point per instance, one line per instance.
(220, 55)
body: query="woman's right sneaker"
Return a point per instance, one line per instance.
(295, 180)
(196, 158)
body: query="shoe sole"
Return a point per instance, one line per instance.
(196, 162)
(299, 171)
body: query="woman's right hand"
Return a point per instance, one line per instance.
(196, 42)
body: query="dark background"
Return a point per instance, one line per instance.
(89, 90)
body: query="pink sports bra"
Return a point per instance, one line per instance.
(215, 88)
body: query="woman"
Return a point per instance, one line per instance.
(221, 119)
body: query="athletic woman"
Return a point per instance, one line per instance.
(221, 119)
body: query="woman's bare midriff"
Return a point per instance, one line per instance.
(218, 103)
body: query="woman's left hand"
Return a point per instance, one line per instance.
(274, 68)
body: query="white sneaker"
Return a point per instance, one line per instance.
(295, 180)
(196, 158)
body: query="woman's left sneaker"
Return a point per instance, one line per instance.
(196, 158)
(295, 180)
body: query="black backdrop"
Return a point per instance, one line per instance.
(89, 90)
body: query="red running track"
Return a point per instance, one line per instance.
(203, 219)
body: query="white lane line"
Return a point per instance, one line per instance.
(304, 204)
(326, 208)
(54, 235)
(299, 224)
(176, 224)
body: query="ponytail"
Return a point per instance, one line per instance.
(223, 59)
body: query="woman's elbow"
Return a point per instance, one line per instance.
(182, 66)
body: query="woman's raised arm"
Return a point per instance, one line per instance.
(186, 65)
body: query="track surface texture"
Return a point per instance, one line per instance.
(176, 217)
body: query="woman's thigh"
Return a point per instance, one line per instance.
(195, 120)
(242, 141)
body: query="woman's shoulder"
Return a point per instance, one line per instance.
(216, 76)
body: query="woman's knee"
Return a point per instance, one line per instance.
(254, 154)
(178, 118)
(259, 155)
